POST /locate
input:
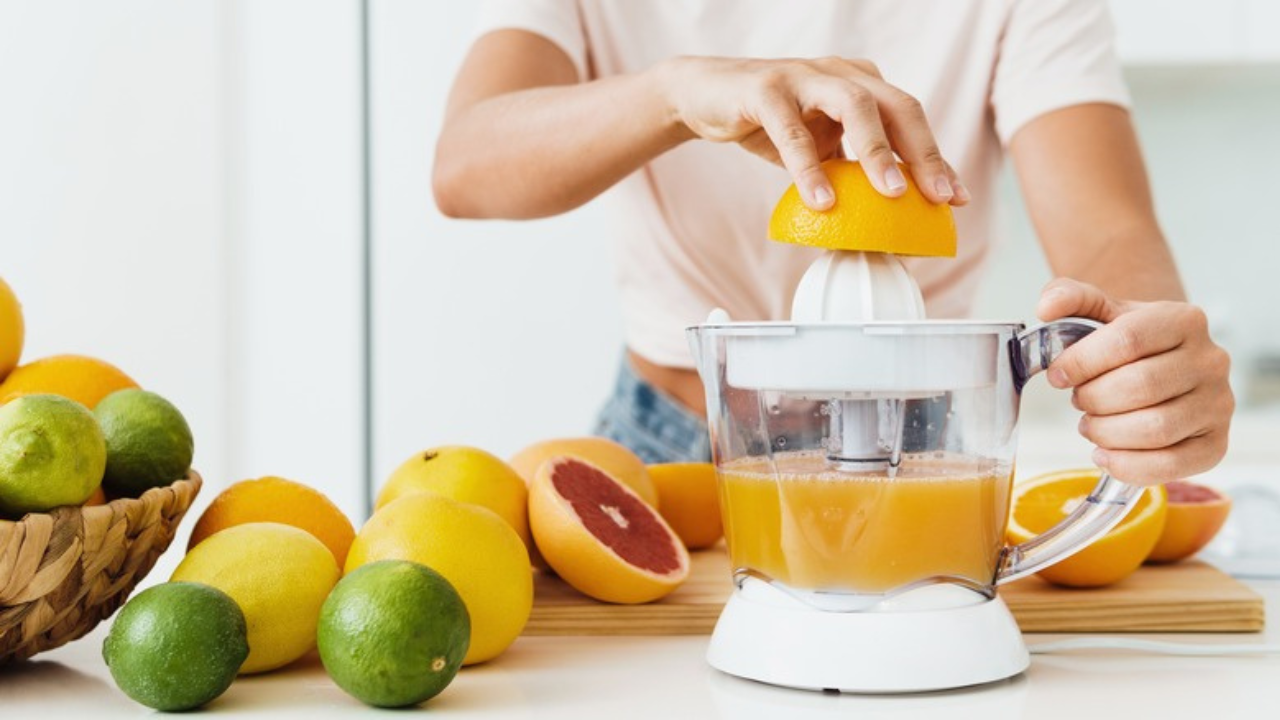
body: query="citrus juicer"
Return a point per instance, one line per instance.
(864, 456)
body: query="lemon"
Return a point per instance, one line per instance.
(278, 575)
(149, 443)
(474, 549)
(465, 474)
(51, 453)
(176, 646)
(393, 633)
(863, 219)
(11, 330)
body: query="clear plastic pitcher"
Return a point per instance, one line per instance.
(857, 462)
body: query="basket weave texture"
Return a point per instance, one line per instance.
(63, 571)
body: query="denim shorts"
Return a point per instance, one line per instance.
(653, 424)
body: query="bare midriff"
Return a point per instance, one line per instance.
(680, 383)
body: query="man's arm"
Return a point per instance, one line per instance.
(1085, 185)
(523, 138)
(1152, 383)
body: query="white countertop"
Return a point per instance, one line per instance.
(614, 678)
(573, 678)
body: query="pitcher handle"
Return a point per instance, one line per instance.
(1032, 351)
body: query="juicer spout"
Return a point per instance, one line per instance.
(697, 341)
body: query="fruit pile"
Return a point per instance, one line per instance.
(75, 430)
(1168, 523)
(440, 576)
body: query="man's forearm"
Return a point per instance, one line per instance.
(1132, 263)
(572, 141)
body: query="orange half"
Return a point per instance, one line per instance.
(1041, 502)
(863, 219)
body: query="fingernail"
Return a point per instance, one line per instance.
(962, 192)
(943, 187)
(1083, 426)
(822, 197)
(1100, 457)
(894, 180)
(1058, 378)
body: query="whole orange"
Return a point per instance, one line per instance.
(689, 501)
(78, 377)
(11, 329)
(477, 551)
(275, 499)
(465, 474)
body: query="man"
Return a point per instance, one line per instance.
(559, 100)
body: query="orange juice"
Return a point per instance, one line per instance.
(800, 522)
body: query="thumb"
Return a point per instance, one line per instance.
(1064, 297)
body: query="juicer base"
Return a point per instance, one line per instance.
(791, 645)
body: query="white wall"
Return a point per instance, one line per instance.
(1209, 137)
(294, 208)
(485, 333)
(180, 195)
(111, 216)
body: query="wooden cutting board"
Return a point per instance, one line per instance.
(1187, 597)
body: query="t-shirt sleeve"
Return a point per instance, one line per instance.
(1054, 54)
(556, 20)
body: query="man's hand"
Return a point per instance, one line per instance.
(796, 112)
(1151, 383)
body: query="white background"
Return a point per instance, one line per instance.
(180, 193)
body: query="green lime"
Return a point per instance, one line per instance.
(51, 453)
(149, 443)
(393, 633)
(176, 646)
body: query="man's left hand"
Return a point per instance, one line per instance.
(1152, 384)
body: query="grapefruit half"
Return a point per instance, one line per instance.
(602, 537)
(1196, 514)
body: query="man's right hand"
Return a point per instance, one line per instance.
(796, 112)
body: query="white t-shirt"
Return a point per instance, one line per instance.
(691, 225)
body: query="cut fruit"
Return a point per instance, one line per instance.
(863, 219)
(1196, 514)
(1041, 502)
(604, 453)
(601, 537)
(689, 500)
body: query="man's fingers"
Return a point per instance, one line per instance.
(1151, 467)
(1142, 384)
(908, 129)
(1153, 428)
(781, 120)
(1128, 338)
(1064, 297)
(857, 111)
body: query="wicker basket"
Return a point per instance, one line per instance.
(63, 571)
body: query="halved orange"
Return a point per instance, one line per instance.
(1196, 514)
(689, 500)
(600, 536)
(863, 219)
(1041, 502)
